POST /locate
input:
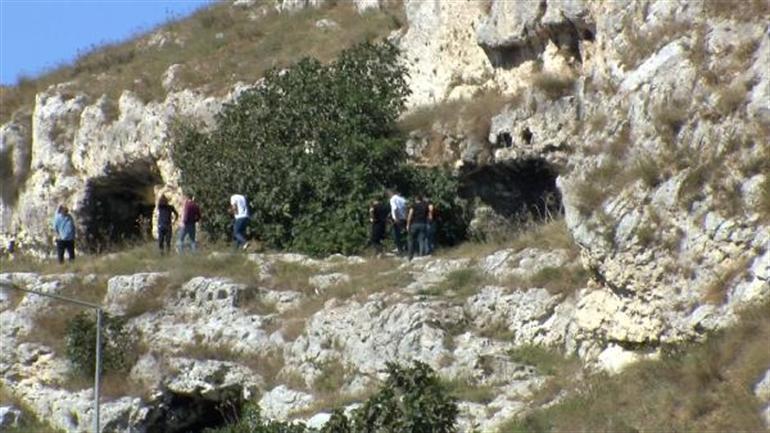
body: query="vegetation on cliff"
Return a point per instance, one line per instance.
(310, 146)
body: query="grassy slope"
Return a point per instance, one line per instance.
(220, 45)
(704, 387)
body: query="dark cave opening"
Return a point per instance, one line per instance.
(192, 414)
(118, 207)
(515, 187)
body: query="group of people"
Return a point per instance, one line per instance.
(168, 216)
(414, 225)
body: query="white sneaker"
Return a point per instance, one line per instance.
(245, 246)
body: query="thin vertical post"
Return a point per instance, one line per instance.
(98, 372)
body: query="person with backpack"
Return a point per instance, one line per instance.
(240, 211)
(167, 216)
(191, 214)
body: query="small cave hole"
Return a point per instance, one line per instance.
(515, 188)
(118, 207)
(526, 135)
(504, 139)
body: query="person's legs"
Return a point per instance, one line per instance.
(70, 246)
(60, 250)
(164, 239)
(431, 234)
(422, 239)
(398, 234)
(378, 233)
(239, 232)
(412, 240)
(180, 240)
(191, 233)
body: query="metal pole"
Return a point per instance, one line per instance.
(98, 373)
(98, 366)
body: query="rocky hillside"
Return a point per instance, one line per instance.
(652, 120)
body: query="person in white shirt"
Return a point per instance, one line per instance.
(240, 212)
(398, 214)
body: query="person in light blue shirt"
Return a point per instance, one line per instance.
(64, 226)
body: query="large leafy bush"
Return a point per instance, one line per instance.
(412, 400)
(309, 147)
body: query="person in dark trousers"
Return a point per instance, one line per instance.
(417, 227)
(167, 216)
(378, 217)
(64, 226)
(191, 214)
(432, 226)
(398, 215)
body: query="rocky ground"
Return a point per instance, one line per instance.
(299, 351)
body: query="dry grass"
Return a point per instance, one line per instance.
(471, 116)
(29, 423)
(466, 389)
(731, 97)
(717, 290)
(146, 258)
(219, 46)
(642, 44)
(554, 86)
(741, 10)
(703, 387)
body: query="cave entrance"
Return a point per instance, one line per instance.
(193, 413)
(520, 188)
(118, 207)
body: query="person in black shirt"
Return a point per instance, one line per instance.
(378, 217)
(417, 226)
(167, 216)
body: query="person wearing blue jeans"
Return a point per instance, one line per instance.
(240, 213)
(64, 226)
(191, 214)
(417, 227)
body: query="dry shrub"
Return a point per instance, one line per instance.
(717, 290)
(598, 121)
(730, 98)
(555, 86)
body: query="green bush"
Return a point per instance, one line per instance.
(117, 344)
(309, 147)
(411, 400)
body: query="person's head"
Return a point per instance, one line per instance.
(163, 200)
(418, 197)
(392, 192)
(63, 209)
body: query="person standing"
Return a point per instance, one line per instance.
(417, 227)
(432, 225)
(378, 217)
(64, 226)
(167, 216)
(191, 214)
(240, 212)
(398, 214)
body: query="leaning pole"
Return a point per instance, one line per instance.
(99, 314)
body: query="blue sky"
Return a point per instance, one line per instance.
(36, 35)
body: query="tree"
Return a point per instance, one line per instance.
(309, 147)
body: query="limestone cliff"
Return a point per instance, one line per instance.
(655, 115)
